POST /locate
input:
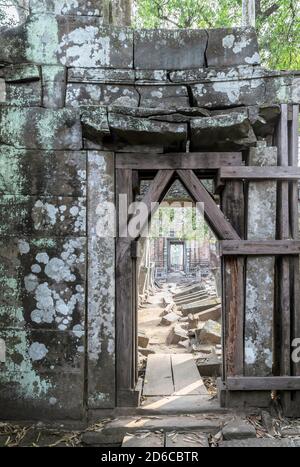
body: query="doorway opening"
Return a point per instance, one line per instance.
(179, 309)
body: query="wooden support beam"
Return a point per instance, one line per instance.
(259, 248)
(233, 207)
(213, 214)
(125, 349)
(259, 173)
(155, 194)
(191, 160)
(264, 383)
(293, 133)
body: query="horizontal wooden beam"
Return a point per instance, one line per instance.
(259, 173)
(190, 160)
(259, 247)
(264, 383)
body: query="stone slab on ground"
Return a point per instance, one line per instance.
(213, 313)
(201, 305)
(143, 340)
(169, 319)
(186, 440)
(180, 405)
(258, 443)
(208, 423)
(238, 429)
(141, 440)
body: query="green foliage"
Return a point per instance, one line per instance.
(278, 24)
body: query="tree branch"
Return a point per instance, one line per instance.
(267, 13)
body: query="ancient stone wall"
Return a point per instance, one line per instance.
(73, 90)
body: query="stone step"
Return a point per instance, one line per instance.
(258, 443)
(208, 423)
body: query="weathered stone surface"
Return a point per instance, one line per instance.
(258, 443)
(2, 91)
(95, 124)
(32, 215)
(260, 271)
(67, 7)
(101, 94)
(42, 283)
(77, 42)
(31, 172)
(176, 335)
(230, 47)
(97, 75)
(199, 306)
(143, 131)
(213, 314)
(163, 96)
(37, 128)
(143, 340)
(13, 48)
(157, 76)
(186, 440)
(158, 49)
(238, 429)
(28, 94)
(140, 440)
(101, 279)
(20, 73)
(210, 366)
(33, 396)
(47, 350)
(227, 131)
(54, 86)
(210, 333)
(229, 92)
(169, 319)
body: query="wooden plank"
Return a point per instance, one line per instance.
(155, 194)
(187, 380)
(294, 221)
(258, 248)
(125, 356)
(216, 219)
(267, 383)
(259, 173)
(283, 234)
(191, 160)
(233, 206)
(158, 378)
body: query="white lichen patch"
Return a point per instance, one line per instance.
(37, 351)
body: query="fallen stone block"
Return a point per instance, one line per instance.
(188, 290)
(185, 344)
(238, 429)
(145, 352)
(213, 314)
(201, 305)
(143, 340)
(209, 367)
(210, 333)
(176, 335)
(169, 319)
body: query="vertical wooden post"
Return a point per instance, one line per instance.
(248, 13)
(283, 264)
(233, 285)
(125, 298)
(293, 134)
